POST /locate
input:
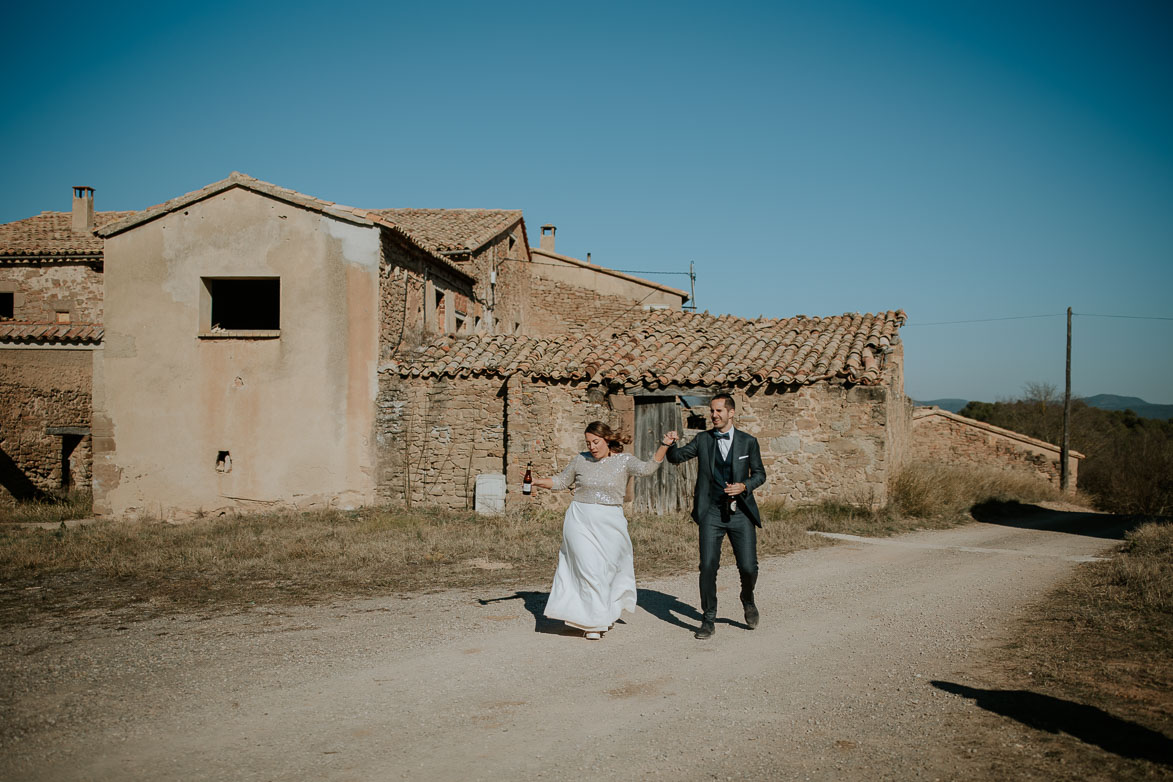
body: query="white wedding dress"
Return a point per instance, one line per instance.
(595, 579)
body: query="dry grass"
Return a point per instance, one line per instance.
(53, 509)
(935, 492)
(231, 562)
(228, 563)
(1101, 643)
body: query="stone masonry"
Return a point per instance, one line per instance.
(942, 437)
(40, 389)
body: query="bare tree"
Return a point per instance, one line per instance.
(1042, 393)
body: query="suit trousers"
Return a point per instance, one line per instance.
(743, 537)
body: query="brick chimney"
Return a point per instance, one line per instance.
(83, 210)
(548, 238)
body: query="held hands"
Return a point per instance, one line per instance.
(670, 438)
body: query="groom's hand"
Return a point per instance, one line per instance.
(734, 489)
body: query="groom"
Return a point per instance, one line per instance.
(729, 468)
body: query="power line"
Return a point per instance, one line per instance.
(1130, 317)
(1028, 317)
(983, 320)
(606, 268)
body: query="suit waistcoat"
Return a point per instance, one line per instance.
(722, 472)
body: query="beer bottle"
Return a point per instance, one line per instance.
(527, 481)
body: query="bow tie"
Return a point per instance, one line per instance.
(724, 435)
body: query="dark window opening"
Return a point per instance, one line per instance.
(7, 306)
(244, 305)
(223, 461)
(69, 443)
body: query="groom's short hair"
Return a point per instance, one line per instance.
(729, 403)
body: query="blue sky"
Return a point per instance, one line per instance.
(963, 161)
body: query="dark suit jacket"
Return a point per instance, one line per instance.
(746, 466)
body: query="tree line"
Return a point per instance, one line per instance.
(1128, 464)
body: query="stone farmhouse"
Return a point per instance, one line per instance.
(824, 396)
(50, 325)
(247, 346)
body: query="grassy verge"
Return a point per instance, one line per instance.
(1096, 654)
(232, 562)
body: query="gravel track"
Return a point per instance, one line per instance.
(474, 684)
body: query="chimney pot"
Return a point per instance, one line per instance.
(83, 209)
(548, 238)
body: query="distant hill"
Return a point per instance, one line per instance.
(1133, 403)
(1102, 401)
(952, 405)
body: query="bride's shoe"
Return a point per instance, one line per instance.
(593, 636)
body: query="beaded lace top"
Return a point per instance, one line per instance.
(601, 481)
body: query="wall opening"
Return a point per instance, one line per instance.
(69, 442)
(7, 306)
(441, 314)
(243, 303)
(223, 461)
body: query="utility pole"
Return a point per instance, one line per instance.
(1063, 447)
(691, 287)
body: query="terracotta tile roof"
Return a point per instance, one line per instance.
(668, 347)
(236, 179)
(51, 234)
(50, 333)
(452, 230)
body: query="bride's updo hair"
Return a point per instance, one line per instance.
(615, 441)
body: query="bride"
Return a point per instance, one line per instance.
(595, 578)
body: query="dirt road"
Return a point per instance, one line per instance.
(836, 683)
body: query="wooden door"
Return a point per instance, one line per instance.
(669, 490)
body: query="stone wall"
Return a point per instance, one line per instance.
(557, 308)
(41, 388)
(41, 290)
(941, 437)
(434, 436)
(406, 277)
(824, 441)
(508, 299)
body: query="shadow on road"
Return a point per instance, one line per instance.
(1086, 723)
(1021, 516)
(658, 604)
(669, 609)
(535, 603)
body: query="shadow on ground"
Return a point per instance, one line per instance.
(535, 603)
(1090, 523)
(670, 609)
(665, 607)
(1086, 723)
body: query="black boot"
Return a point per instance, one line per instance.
(706, 630)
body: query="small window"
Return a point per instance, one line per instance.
(7, 306)
(460, 321)
(63, 317)
(243, 304)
